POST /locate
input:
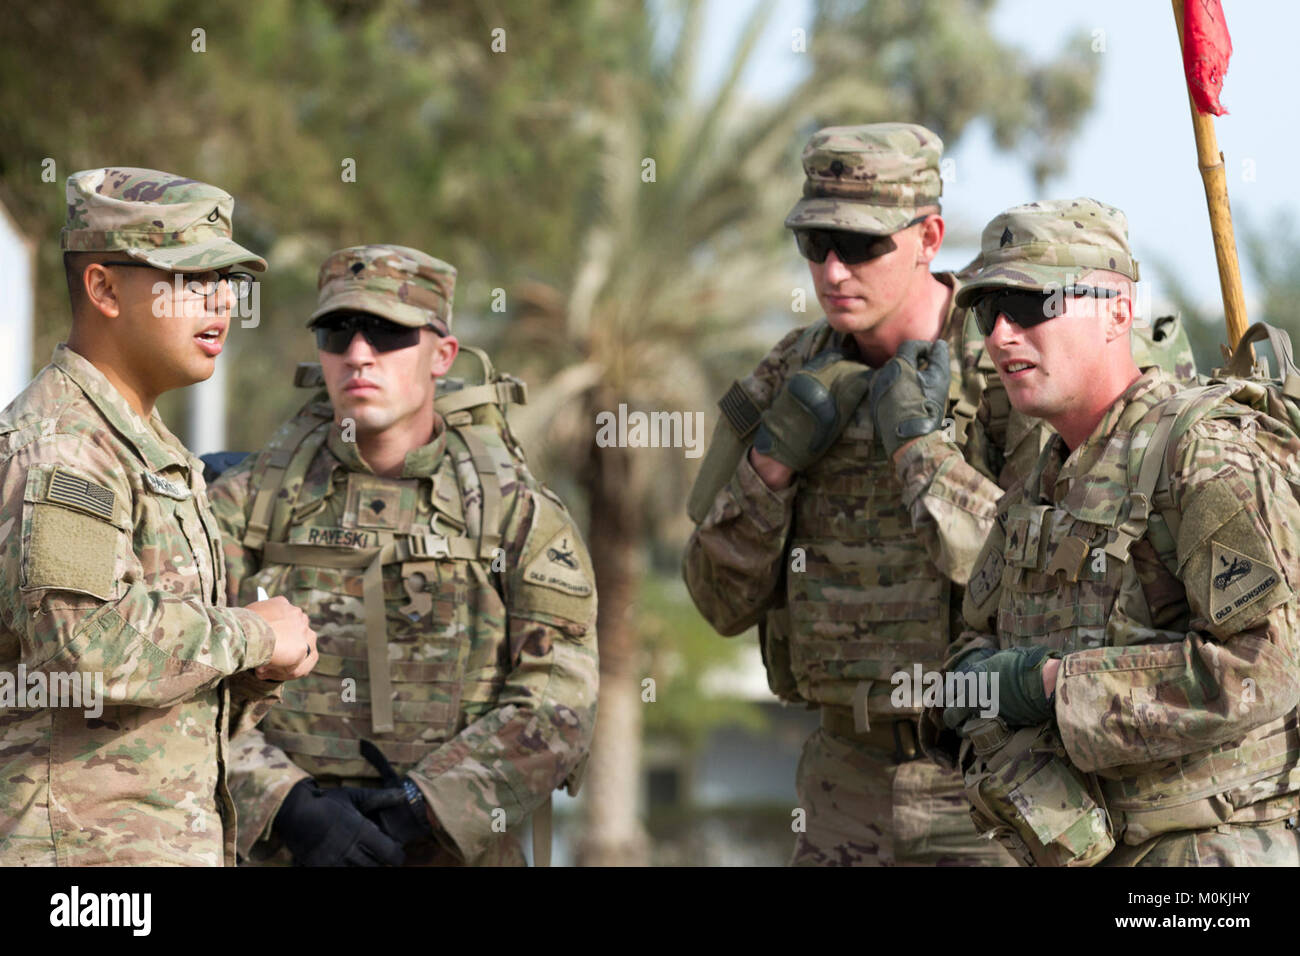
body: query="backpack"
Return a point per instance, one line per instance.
(1240, 380)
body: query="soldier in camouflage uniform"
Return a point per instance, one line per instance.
(109, 556)
(453, 596)
(1154, 621)
(848, 529)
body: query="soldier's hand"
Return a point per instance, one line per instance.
(910, 393)
(295, 642)
(330, 828)
(1021, 699)
(812, 409)
(404, 821)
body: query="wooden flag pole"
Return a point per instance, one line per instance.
(1216, 197)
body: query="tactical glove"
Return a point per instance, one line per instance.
(404, 820)
(1020, 700)
(329, 827)
(910, 393)
(813, 408)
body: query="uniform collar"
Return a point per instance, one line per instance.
(153, 442)
(420, 462)
(1059, 467)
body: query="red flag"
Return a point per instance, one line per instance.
(1206, 48)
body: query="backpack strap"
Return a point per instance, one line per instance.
(1149, 470)
(289, 455)
(1241, 363)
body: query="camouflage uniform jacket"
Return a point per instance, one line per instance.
(494, 676)
(110, 563)
(888, 545)
(1181, 668)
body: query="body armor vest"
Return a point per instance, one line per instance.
(1073, 579)
(398, 577)
(869, 601)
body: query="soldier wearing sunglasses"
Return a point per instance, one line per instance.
(846, 493)
(453, 596)
(1136, 598)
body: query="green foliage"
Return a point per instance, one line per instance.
(682, 650)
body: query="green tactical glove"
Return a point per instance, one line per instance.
(813, 408)
(1020, 700)
(910, 393)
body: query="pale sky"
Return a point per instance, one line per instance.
(1135, 150)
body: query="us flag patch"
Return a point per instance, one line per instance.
(67, 489)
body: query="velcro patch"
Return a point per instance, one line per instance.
(71, 552)
(1236, 581)
(65, 488)
(557, 566)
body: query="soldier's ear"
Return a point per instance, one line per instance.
(445, 350)
(1120, 320)
(101, 288)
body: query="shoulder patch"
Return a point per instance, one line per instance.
(558, 566)
(65, 488)
(987, 577)
(1236, 581)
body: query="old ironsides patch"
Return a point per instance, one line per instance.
(1236, 581)
(557, 566)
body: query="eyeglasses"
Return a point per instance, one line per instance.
(204, 283)
(851, 248)
(334, 333)
(1028, 307)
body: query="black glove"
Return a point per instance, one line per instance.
(910, 393)
(405, 818)
(812, 409)
(1020, 701)
(329, 827)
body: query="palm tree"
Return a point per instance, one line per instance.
(683, 257)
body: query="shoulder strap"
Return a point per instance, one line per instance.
(288, 454)
(1149, 471)
(486, 468)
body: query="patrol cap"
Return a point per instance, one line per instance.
(164, 220)
(868, 179)
(1050, 243)
(398, 283)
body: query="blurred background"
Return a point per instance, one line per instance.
(610, 179)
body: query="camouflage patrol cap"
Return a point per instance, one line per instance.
(867, 179)
(1050, 243)
(398, 283)
(165, 220)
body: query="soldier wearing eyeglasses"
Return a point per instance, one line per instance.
(1136, 597)
(111, 573)
(846, 493)
(453, 595)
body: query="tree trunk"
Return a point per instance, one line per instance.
(612, 833)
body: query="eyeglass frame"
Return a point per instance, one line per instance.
(246, 279)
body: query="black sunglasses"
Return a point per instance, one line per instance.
(1028, 307)
(334, 333)
(851, 248)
